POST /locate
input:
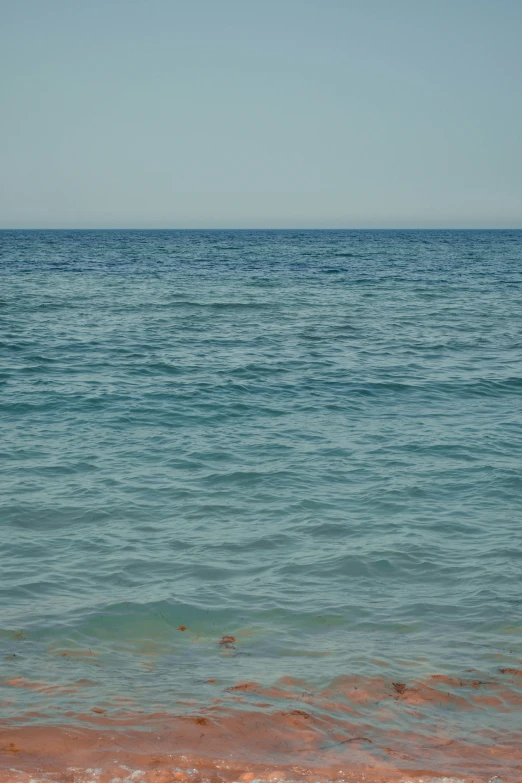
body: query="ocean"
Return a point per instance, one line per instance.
(260, 506)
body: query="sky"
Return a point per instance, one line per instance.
(260, 113)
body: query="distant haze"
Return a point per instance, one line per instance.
(261, 113)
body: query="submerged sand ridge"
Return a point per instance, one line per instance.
(356, 729)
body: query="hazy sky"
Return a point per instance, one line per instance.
(260, 113)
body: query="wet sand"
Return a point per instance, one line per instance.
(357, 729)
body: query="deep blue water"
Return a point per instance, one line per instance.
(310, 441)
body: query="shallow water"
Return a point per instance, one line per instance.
(246, 474)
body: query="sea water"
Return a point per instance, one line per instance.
(247, 475)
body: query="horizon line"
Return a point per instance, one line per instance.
(259, 228)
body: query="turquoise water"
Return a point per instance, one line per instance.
(309, 441)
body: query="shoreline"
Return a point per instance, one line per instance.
(104, 755)
(359, 729)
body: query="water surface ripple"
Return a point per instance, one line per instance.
(308, 441)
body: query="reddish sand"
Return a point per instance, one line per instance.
(370, 730)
